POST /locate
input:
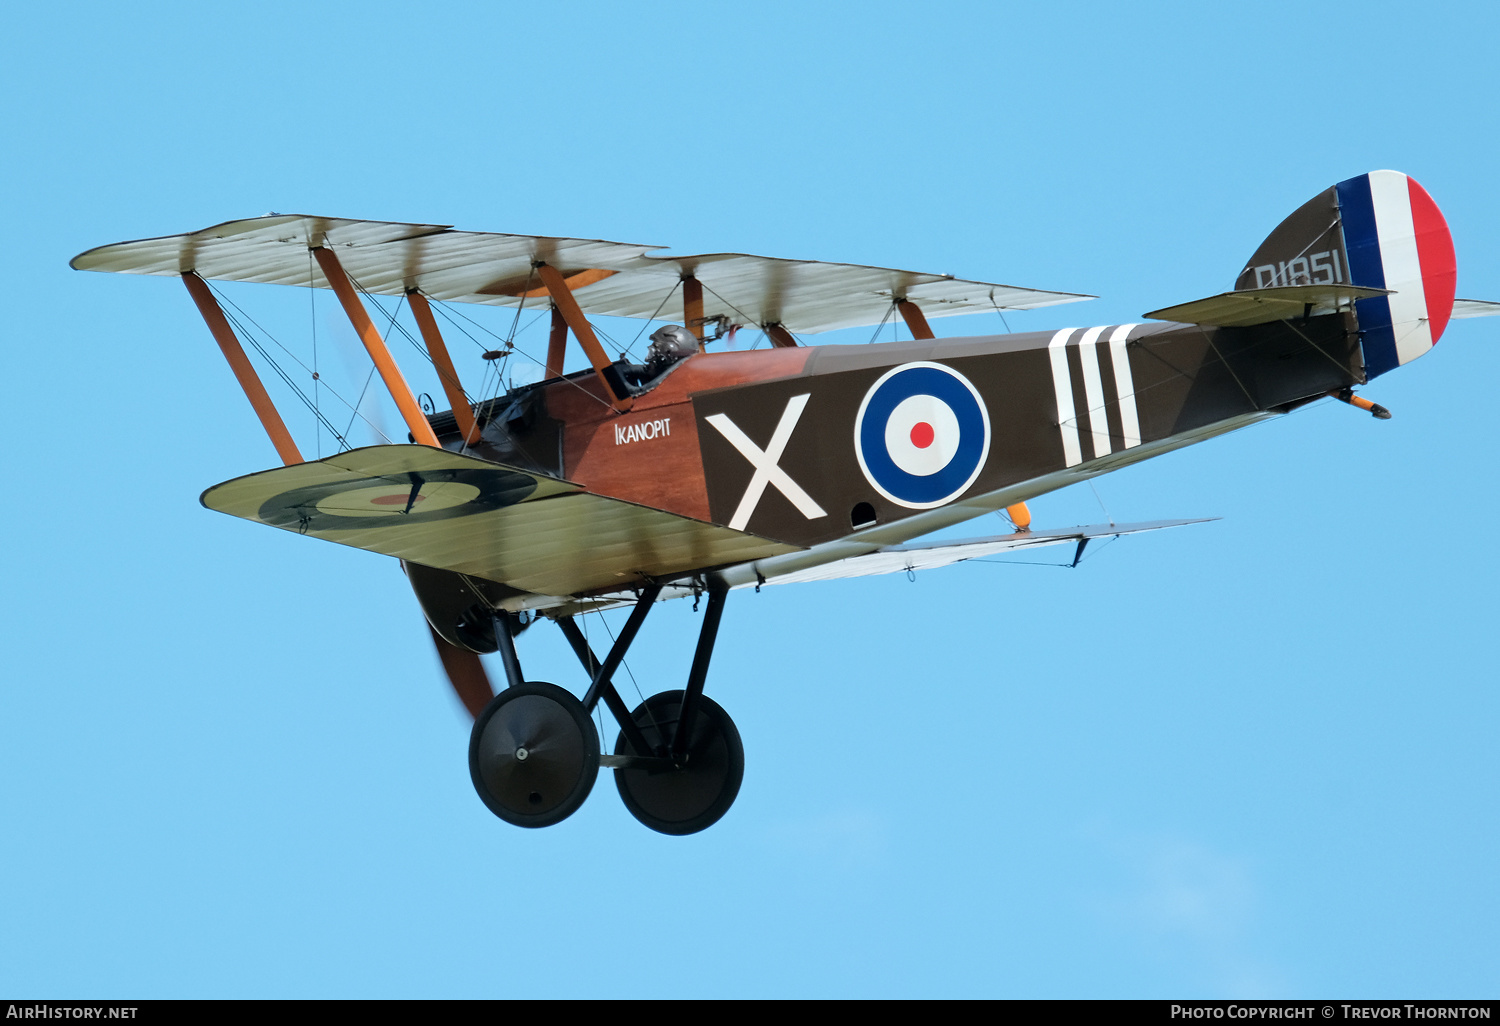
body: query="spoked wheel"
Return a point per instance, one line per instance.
(534, 754)
(696, 795)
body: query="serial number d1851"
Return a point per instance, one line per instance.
(1326, 268)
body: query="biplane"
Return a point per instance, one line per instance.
(700, 469)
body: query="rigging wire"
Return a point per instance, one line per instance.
(747, 319)
(1100, 501)
(1000, 312)
(350, 426)
(670, 293)
(659, 731)
(282, 373)
(881, 326)
(510, 348)
(509, 343)
(625, 665)
(608, 630)
(1031, 562)
(312, 310)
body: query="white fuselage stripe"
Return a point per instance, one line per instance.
(1093, 390)
(1390, 195)
(1062, 384)
(1130, 422)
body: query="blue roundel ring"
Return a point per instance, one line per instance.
(895, 387)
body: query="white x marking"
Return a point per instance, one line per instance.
(765, 463)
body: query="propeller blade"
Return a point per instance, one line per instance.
(466, 674)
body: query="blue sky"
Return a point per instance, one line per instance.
(1250, 758)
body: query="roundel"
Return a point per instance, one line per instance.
(395, 499)
(922, 435)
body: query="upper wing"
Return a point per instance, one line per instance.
(608, 278)
(441, 509)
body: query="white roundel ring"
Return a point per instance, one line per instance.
(922, 435)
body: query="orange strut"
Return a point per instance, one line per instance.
(375, 346)
(557, 344)
(438, 350)
(562, 298)
(779, 336)
(692, 308)
(1020, 516)
(912, 314)
(223, 334)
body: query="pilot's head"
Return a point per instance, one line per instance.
(672, 343)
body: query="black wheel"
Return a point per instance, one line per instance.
(695, 796)
(534, 754)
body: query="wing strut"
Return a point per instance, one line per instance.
(912, 314)
(438, 350)
(218, 324)
(779, 336)
(557, 344)
(375, 345)
(692, 307)
(583, 331)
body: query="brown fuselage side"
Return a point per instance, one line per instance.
(1129, 390)
(651, 455)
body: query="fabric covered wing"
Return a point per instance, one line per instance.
(607, 278)
(898, 558)
(458, 513)
(1475, 308)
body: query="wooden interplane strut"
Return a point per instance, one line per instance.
(557, 344)
(223, 334)
(562, 298)
(438, 350)
(400, 391)
(692, 308)
(779, 336)
(912, 314)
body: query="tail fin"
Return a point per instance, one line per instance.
(1380, 230)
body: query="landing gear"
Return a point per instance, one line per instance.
(534, 754)
(534, 751)
(678, 762)
(681, 797)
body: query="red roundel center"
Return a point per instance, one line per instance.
(394, 500)
(922, 434)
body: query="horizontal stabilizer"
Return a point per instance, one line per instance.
(1475, 308)
(1261, 306)
(471, 516)
(899, 558)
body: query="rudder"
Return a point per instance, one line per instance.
(1379, 230)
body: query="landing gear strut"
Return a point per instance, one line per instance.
(678, 761)
(692, 794)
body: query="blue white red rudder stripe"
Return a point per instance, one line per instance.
(1396, 238)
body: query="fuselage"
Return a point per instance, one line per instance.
(841, 449)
